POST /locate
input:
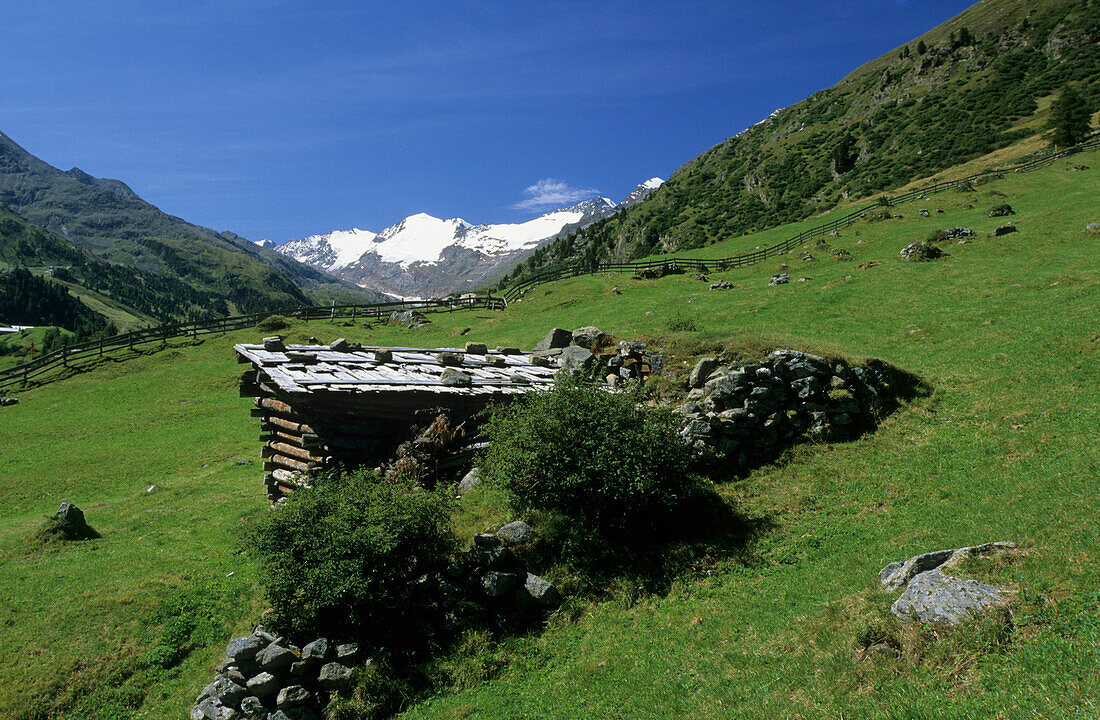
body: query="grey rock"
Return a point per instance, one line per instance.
(70, 519)
(505, 350)
(276, 658)
(234, 673)
(541, 591)
(317, 651)
(469, 481)
(476, 348)
(486, 540)
(335, 676)
(293, 696)
(253, 709)
(556, 338)
(264, 685)
(924, 212)
(497, 584)
(516, 533)
(274, 343)
(383, 355)
(347, 653)
(225, 691)
(721, 285)
(587, 337)
(453, 377)
(5, 401)
(921, 251)
(1093, 227)
(702, 371)
(245, 648)
(449, 358)
(897, 574)
(1003, 210)
(339, 345)
(1003, 230)
(214, 709)
(408, 318)
(575, 357)
(780, 279)
(934, 598)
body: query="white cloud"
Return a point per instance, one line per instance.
(549, 194)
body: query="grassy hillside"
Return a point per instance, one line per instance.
(133, 623)
(943, 99)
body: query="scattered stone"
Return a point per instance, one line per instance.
(503, 350)
(953, 233)
(721, 285)
(453, 377)
(556, 338)
(449, 358)
(896, 574)
(253, 708)
(347, 653)
(1093, 227)
(1003, 210)
(921, 251)
(1003, 230)
(476, 348)
(71, 523)
(516, 533)
(867, 265)
(702, 371)
(1079, 168)
(701, 277)
(933, 598)
(5, 401)
(274, 344)
(780, 279)
(924, 212)
(382, 355)
(316, 652)
(409, 318)
(469, 481)
(339, 345)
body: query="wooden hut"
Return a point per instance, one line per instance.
(326, 405)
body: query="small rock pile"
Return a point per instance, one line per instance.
(1003, 210)
(721, 285)
(265, 677)
(955, 233)
(5, 401)
(590, 349)
(921, 251)
(780, 279)
(748, 414)
(409, 318)
(935, 598)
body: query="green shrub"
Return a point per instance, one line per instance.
(937, 236)
(605, 471)
(271, 323)
(681, 323)
(338, 559)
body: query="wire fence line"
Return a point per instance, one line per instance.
(782, 247)
(72, 356)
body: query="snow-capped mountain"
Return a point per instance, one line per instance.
(423, 256)
(265, 243)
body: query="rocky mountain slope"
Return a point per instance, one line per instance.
(423, 256)
(107, 218)
(972, 85)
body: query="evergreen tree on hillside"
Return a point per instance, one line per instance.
(1069, 118)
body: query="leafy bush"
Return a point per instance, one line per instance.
(339, 559)
(605, 471)
(681, 323)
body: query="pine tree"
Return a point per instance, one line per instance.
(1069, 118)
(921, 48)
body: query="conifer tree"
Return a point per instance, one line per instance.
(1069, 118)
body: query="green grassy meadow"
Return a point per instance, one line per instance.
(1006, 330)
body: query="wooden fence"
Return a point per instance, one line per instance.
(781, 248)
(83, 353)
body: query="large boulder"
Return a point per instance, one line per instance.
(275, 658)
(934, 598)
(245, 648)
(575, 357)
(1002, 231)
(453, 377)
(516, 533)
(71, 523)
(469, 481)
(264, 685)
(556, 338)
(921, 251)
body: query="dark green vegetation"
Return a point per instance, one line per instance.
(29, 300)
(1069, 118)
(344, 554)
(973, 86)
(604, 472)
(133, 624)
(200, 269)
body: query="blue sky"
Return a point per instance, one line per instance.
(284, 119)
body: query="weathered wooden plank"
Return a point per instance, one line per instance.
(289, 425)
(294, 452)
(274, 405)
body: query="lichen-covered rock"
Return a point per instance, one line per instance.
(702, 371)
(317, 651)
(335, 676)
(921, 251)
(213, 709)
(541, 591)
(897, 574)
(587, 337)
(575, 357)
(293, 696)
(1002, 210)
(515, 533)
(469, 481)
(253, 709)
(780, 279)
(347, 653)
(275, 658)
(1002, 230)
(264, 685)
(225, 691)
(934, 598)
(476, 348)
(452, 377)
